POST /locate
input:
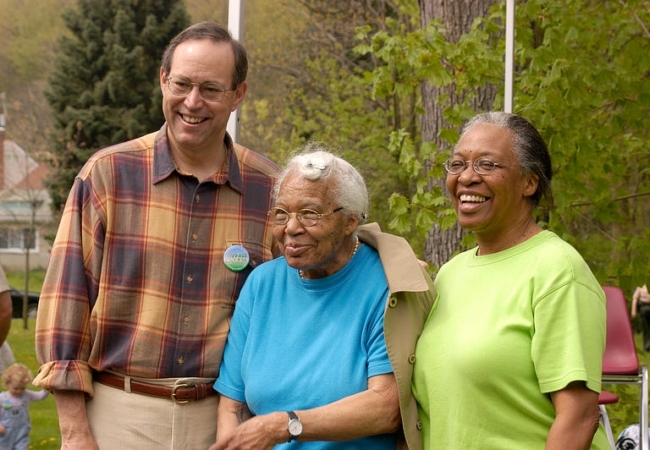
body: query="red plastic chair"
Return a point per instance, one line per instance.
(620, 362)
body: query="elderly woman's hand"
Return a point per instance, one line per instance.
(257, 433)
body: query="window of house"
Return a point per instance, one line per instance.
(17, 239)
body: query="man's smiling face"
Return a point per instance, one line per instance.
(195, 124)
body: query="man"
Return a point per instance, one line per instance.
(6, 310)
(156, 240)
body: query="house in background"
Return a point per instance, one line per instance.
(24, 205)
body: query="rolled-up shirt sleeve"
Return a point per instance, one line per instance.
(63, 328)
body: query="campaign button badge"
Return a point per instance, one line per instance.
(236, 258)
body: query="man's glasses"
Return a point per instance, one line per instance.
(210, 91)
(482, 166)
(307, 217)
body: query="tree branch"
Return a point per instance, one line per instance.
(638, 20)
(617, 199)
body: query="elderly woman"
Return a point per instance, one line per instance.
(511, 355)
(312, 360)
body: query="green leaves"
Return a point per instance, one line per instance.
(582, 76)
(583, 87)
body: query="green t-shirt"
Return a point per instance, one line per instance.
(506, 330)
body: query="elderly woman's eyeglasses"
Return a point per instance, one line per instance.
(307, 217)
(210, 91)
(482, 166)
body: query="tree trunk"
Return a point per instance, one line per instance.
(457, 17)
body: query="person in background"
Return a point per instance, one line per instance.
(156, 239)
(320, 349)
(14, 413)
(511, 354)
(641, 306)
(6, 314)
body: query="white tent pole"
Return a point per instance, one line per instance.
(510, 54)
(235, 25)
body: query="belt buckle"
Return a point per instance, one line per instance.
(174, 389)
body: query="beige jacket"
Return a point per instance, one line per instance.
(411, 297)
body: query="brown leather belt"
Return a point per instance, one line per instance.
(181, 393)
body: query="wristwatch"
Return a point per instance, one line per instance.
(294, 426)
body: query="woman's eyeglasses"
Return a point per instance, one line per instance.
(307, 217)
(482, 166)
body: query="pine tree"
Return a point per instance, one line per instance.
(104, 88)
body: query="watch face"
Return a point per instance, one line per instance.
(295, 427)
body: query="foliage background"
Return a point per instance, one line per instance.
(349, 73)
(103, 88)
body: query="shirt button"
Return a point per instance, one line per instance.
(180, 360)
(186, 320)
(392, 303)
(418, 424)
(197, 198)
(195, 237)
(189, 278)
(412, 359)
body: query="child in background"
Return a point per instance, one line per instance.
(14, 411)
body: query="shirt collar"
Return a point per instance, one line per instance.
(164, 163)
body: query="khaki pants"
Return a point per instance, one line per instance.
(122, 421)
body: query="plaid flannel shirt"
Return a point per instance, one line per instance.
(136, 281)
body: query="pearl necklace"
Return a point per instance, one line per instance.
(301, 273)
